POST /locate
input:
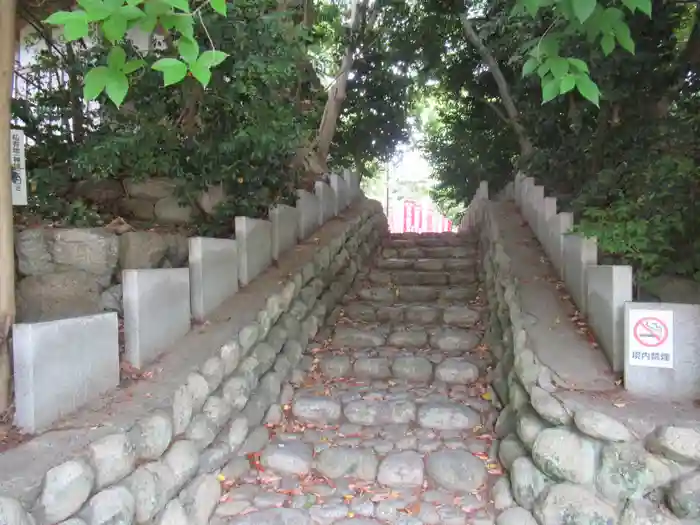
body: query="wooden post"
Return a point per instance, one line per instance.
(7, 250)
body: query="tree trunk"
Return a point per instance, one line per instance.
(526, 147)
(7, 250)
(331, 112)
(76, 97)
(336, 97)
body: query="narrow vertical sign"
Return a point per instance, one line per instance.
(19, 172)
(650, 334)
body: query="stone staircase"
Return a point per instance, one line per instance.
(391, 420)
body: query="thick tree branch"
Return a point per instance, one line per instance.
(526, 148)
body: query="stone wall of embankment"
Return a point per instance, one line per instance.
(165, 466)
(573, 454)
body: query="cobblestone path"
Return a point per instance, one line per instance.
(391, 420)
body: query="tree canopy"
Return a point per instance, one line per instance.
(596, 99)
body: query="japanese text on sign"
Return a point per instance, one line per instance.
(19, 172)
(650, 338)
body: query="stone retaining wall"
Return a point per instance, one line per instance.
(167, 468)
(67, 272)
(79, 280)
(568, 462)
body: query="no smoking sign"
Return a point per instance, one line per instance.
(650, 332)
(650, 338)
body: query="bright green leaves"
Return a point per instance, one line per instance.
(201, 69)
(598, 23)
(213, 58)
(550, 89)
(558, 66)
(219, 6)
(579, 65)
(199, 66)
(559, 75)
(182, 5)
(624, 36)
(112, 79)
(567, 83)
(531, 64)
(95, 82)
(643, 6)
(609, 24)
(113, 18)
(113, 82)
(189, 49)
(588, 89)
(583, 9)
(173, 70)
(75, 23)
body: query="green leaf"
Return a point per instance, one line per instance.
(117, 86)
(567, 83)
(609, 18)
(116, 58)
(548, 46)
(157, 7)
(131, 12)
(182, 5)
(543, 70)
(607, 43)
(173, 70)
(219, 6)
(212, 58)
(114, 28)
(60, 18)
(624, 36)
(631, 5)
(588, 89)
(148, 23)
(189, 49)
(133, 65)
(558, 66)
(201, 73)
(550, 90)
(642, 5)
(583, 9)
(95, 82)
(96, 10)
(531, 6)
(77, 27)
(530, 66)
(183, 24)
(579, 65)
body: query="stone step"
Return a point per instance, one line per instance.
(431, 252)
(432, 239)
(370, 407)
(452, 340)
(416, 294)
(422, 277)
(420, 367)
(415, 314)
(396, 457)
(428, 265)
(423, 241)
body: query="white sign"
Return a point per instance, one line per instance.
(650, 338)
(19, 171)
